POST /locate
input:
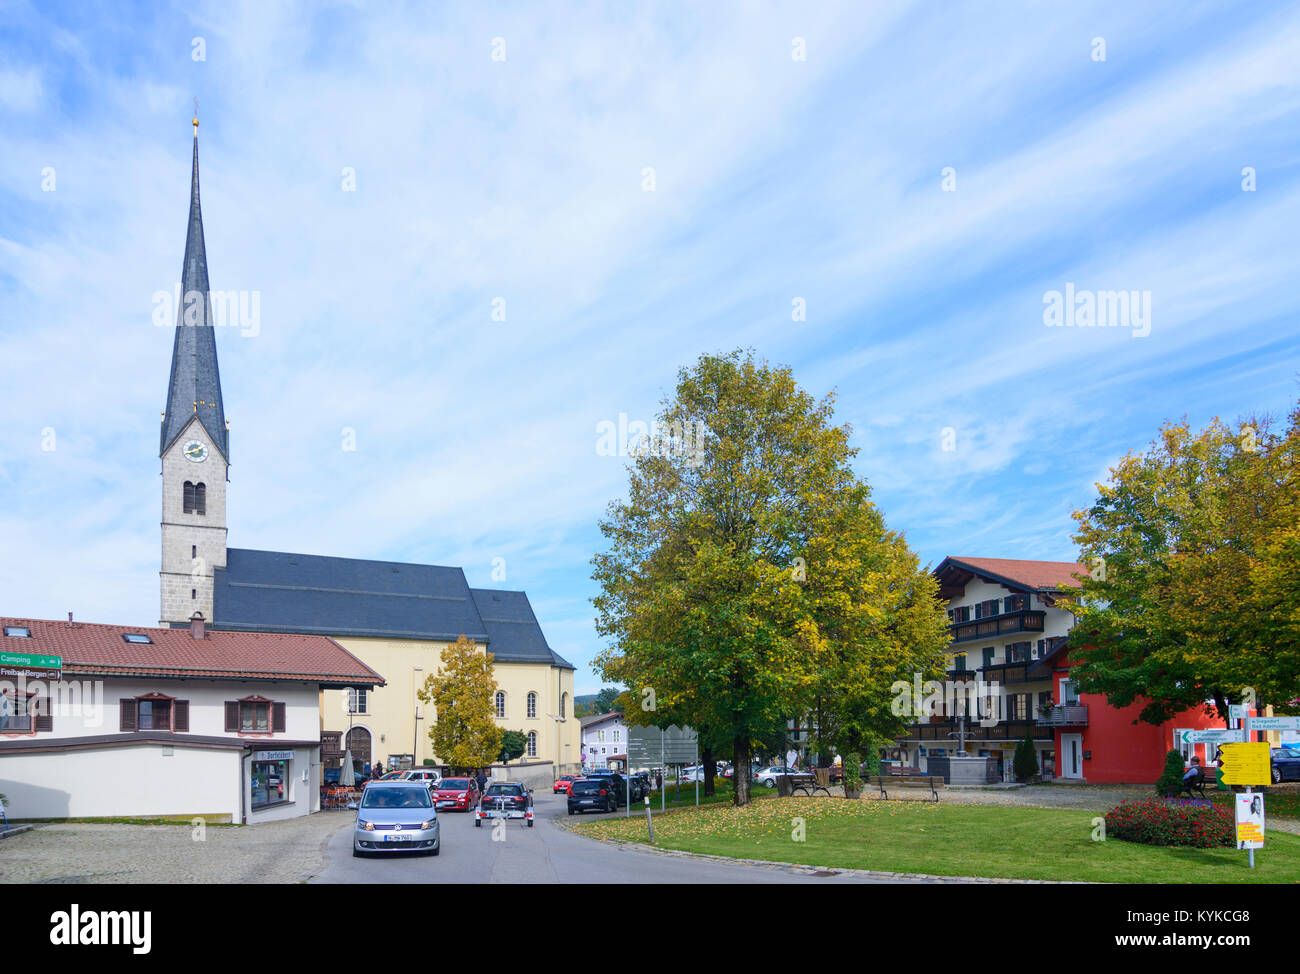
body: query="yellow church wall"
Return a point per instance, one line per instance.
(391, 709)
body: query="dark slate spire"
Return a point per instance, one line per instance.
(195, 386)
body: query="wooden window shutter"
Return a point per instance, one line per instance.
(277, 718)
(181, 716)
(44, 720)
(232, 716)
(126, 711)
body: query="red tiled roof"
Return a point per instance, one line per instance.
(1036, 575)
(92, 648)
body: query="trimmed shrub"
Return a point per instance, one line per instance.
(1170, 783)
(1155, 821)
(1025, 763)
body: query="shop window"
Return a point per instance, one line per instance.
(270, 783)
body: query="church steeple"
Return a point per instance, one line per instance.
(194, 390)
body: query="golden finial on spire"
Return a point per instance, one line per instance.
(196, 117)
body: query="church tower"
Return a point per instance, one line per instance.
(194, 444)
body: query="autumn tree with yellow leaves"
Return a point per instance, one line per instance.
(1193, 592)
(748, 578)
(465, 734)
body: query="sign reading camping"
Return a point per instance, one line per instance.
(31, 660)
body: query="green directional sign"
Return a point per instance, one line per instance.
(31, 659)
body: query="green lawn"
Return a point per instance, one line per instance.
(947, 840)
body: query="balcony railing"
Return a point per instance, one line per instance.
(1067, 715)
(1025, 620)
(945, 729)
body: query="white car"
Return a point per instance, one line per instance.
(767, 776)
(429, 776)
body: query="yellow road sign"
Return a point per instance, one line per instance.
(1245, 764)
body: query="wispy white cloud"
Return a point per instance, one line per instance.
(522, 179)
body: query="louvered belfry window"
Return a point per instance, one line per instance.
(196, 498)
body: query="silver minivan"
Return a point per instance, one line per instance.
(396, 816)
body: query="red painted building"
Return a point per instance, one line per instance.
(1098, 743)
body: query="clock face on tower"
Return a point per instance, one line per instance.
(195, 451)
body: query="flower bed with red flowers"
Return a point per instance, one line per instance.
(1160, 822)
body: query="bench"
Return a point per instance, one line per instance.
(933, 782)
(1195, 783)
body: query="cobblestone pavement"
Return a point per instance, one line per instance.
(290, 851)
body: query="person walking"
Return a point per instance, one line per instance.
(481, 780)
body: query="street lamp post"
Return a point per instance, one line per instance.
(415, 724)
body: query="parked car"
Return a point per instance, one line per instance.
(640, 783)
(396, 816)
(592, 795)
(457, 794)
(767, 776)
(1286, 764)
(563, 782)
(505, 799)
(429, 776)
(619, 785)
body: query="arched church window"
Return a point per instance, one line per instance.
(532, 706)
(532, 744)
(501, 704)
(200, 499)
(189, 497)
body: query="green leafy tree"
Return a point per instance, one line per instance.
(607, 701)
(748, 560)
(513, 745)
(464, 733)
(1025, 761)
(1191, 593)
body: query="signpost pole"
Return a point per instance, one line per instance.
(1250, 790)
(698, 770)
(663, 774)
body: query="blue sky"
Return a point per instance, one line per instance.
(522, 179)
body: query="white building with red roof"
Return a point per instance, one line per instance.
(116, 721)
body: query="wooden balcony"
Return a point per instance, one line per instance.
(944, 731)
(1025, 620)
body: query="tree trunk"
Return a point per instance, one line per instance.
(710, 768)
(740, 759)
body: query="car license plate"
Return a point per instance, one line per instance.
(400, 837)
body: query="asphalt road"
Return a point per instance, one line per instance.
(542, 854)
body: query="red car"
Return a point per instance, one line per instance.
(564, 784)
(456, 795)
